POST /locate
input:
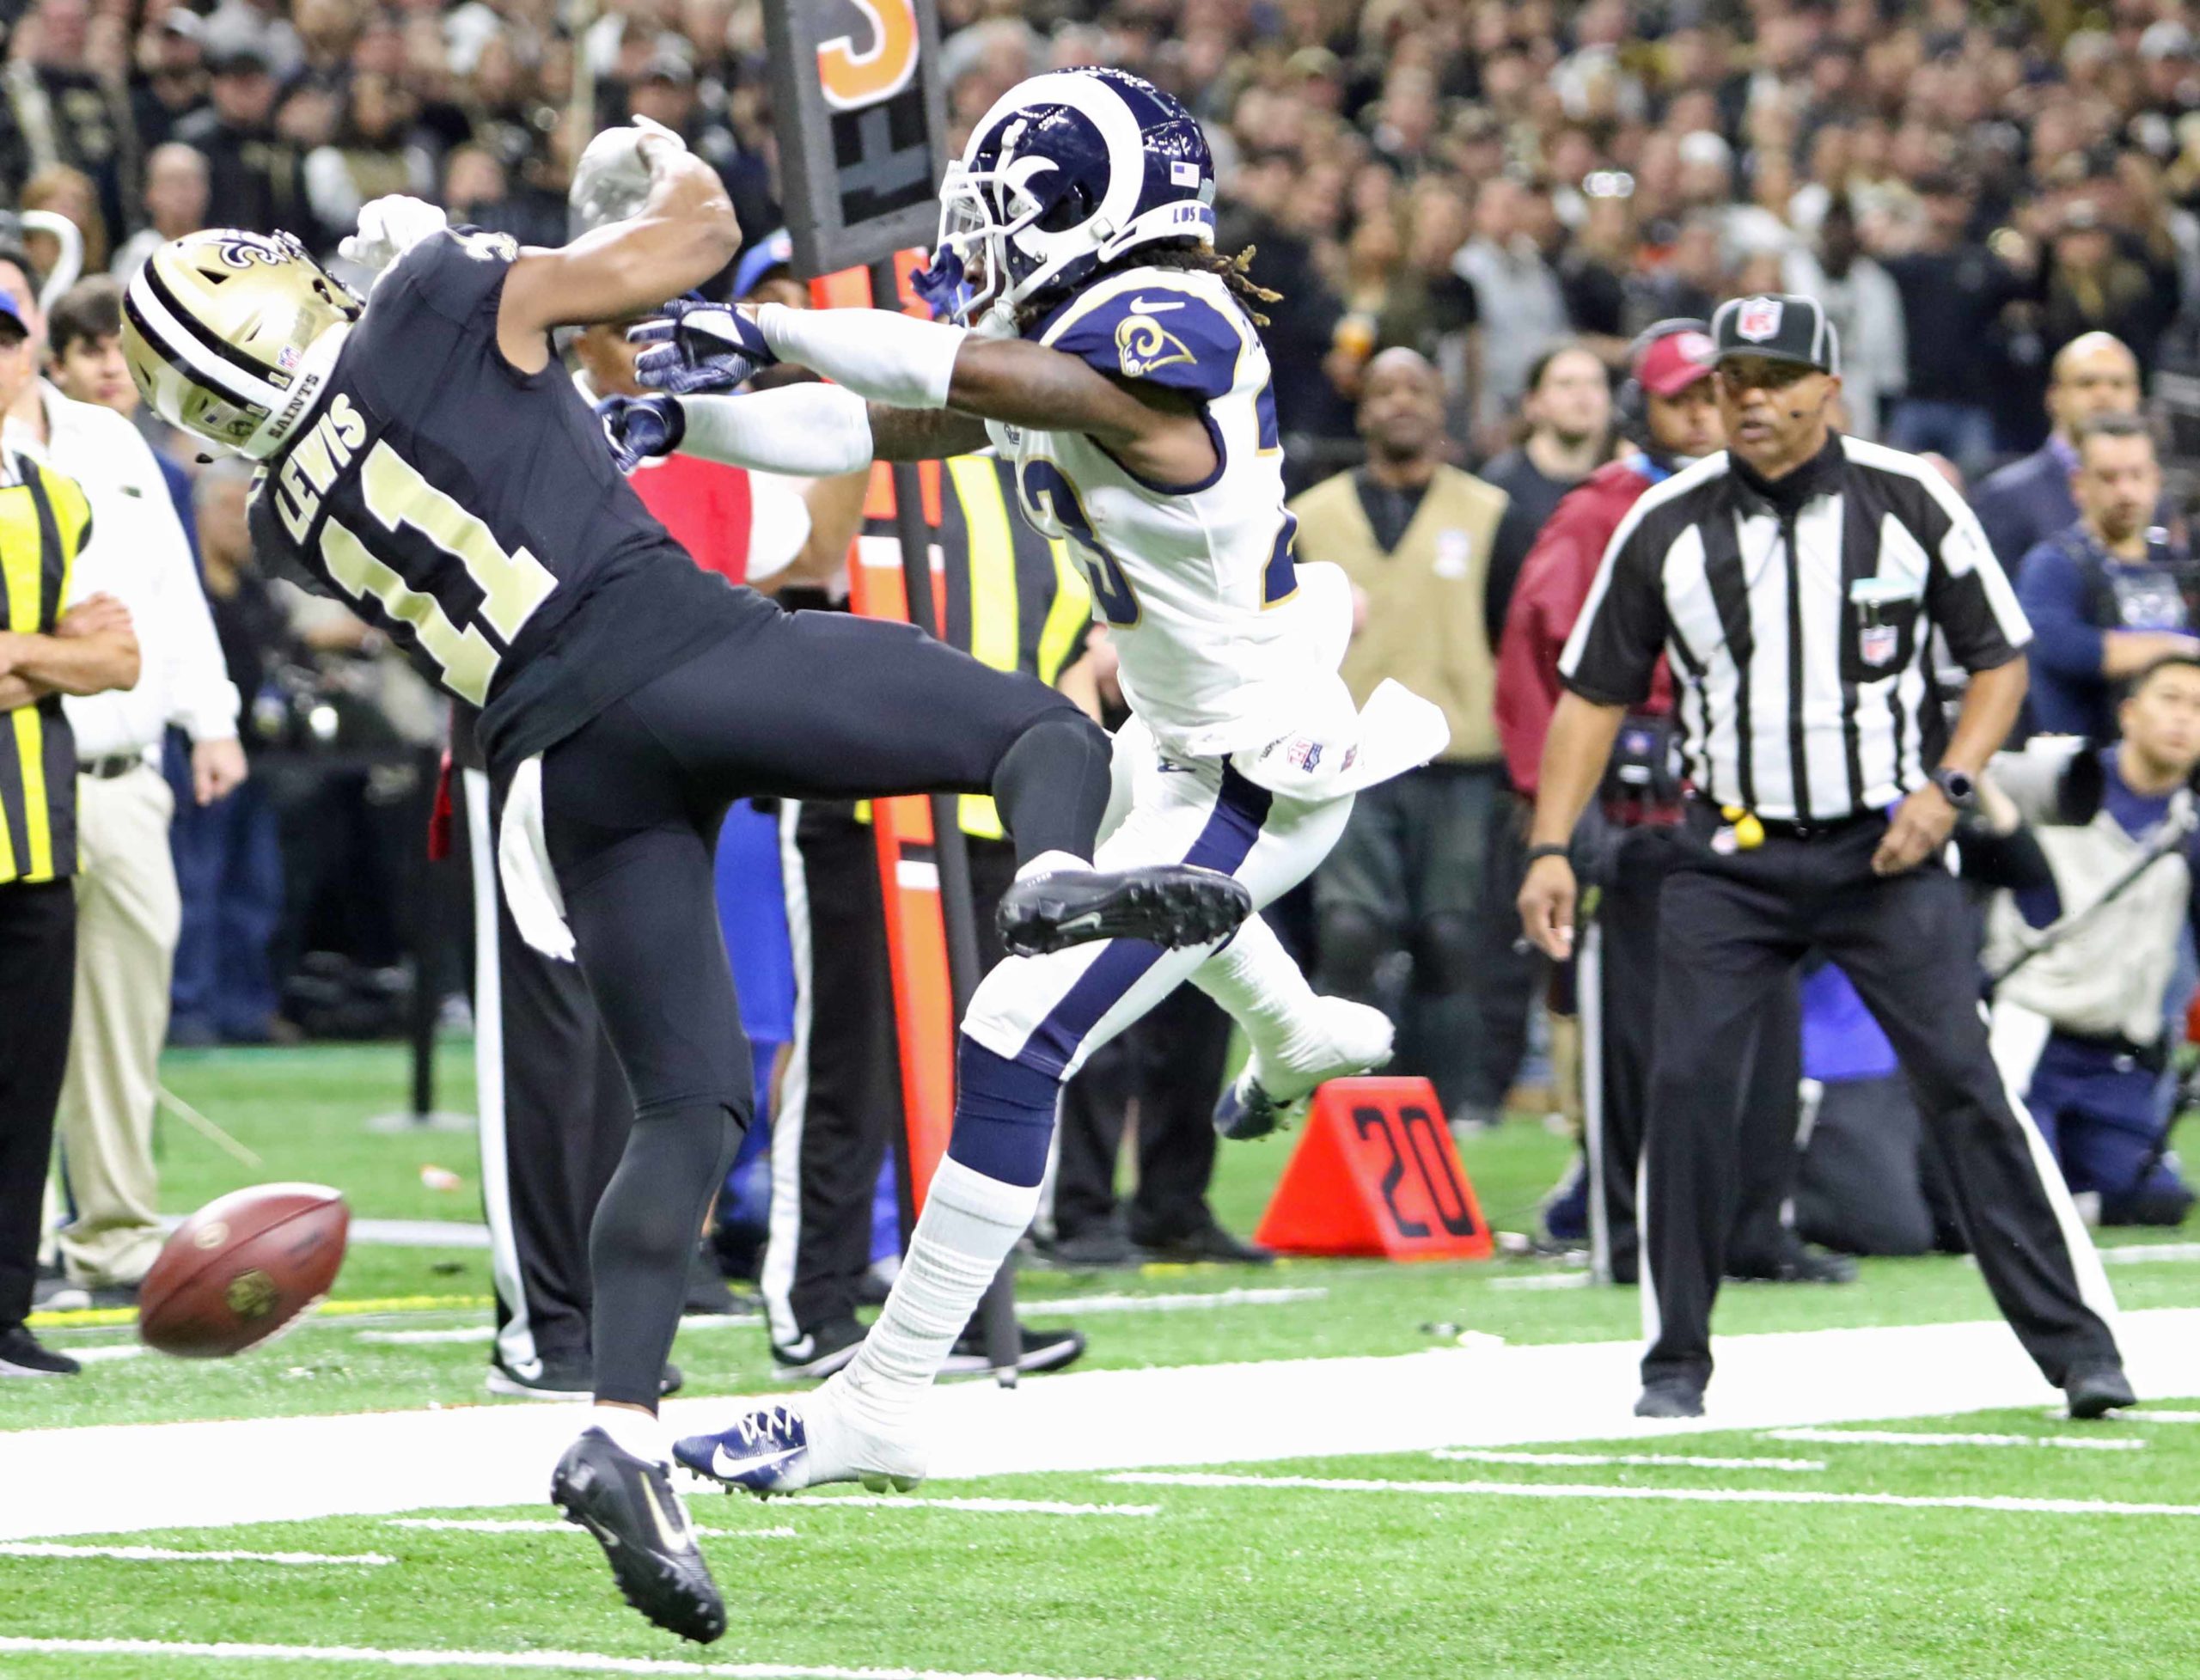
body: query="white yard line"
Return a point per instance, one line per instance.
(120, 1350)
(1544, 1280)
(542, 1525)
(1559, 1490)
(162, 1555)
(2139, 1254)
(999, 1507)
(1911, 1438)
(2149, 1414)
(1462, 1455)
(1206, 1300)
(92, 1481)
(423, 1338)
(579, 1662)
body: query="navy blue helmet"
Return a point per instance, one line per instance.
(1065, 173)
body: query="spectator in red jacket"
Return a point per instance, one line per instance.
(1671, 418)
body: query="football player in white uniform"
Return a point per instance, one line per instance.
(1098, 342)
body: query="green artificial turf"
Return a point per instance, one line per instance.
(1270, 1582)
(305, 1112)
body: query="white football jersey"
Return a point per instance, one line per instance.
(1222, 650)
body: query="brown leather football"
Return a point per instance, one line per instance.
(240, 1269)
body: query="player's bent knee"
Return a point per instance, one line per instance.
(1004, 1114)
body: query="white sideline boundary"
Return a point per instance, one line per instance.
(164, 1554)
(984, 1506)
(1913, 1438)
(211, 1475)
(545, 1525)
(562, 1662)
(1562, 1490)
(1205, 1300)
(1468, 1455)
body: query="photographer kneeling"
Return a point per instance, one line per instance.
(2097, 847)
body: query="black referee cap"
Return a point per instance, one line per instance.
(1779, 327)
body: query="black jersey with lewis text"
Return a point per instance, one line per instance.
(472, 511)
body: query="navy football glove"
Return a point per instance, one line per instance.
(637, 428)
(697, 347)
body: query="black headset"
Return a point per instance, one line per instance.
(1633, 405)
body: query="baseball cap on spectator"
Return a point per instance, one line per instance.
(1779, 327)
(240, 58)
(184, 24)
(1672, 361)
(2166, 39)
(667, 66)
(13, 329)
(762, 259)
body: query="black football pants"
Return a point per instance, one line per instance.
(1732, 926)
(795, 706)
(37, 969)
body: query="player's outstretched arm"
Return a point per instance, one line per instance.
(809, 431)
(685, 233)
(901, 363)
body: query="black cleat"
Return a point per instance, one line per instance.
(1671, 1397)
(630, 1506)
(22, 1354)
(2095, 1390)
(1172, 905)
(1036, 1350)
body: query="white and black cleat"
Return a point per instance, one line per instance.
(629, 1505)
(1264, 1099)
(1170, 905)
(783, 1449)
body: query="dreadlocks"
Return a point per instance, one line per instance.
(1188, 257)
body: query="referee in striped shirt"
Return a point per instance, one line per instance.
(1795, 582)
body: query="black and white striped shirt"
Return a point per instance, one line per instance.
(1798, 615)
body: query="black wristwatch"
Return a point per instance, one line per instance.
(1958, 787)
(1549, 849)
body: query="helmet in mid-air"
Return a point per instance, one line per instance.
(1067, 171)
(231, 335)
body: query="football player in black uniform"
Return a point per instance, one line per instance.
(424, 457)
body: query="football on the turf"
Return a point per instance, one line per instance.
(240, 1269)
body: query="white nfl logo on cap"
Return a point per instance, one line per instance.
(1758, 320)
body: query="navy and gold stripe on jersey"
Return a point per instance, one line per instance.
(45, 522)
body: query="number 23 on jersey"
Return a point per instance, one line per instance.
(1053, 500)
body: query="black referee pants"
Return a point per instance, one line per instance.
(1731, 928)
(1618, 1003)
(38, 990)
(555, 1112)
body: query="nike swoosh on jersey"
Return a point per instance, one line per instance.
(725, 1464)
(1145, 306)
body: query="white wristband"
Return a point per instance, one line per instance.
(891, 358)
(811, 430)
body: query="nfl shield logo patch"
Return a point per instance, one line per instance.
(1304, 754)
(1876, 642)
(1758, 320)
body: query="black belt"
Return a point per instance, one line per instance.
(1709, 816)
(2154, 1057)
(118, 764)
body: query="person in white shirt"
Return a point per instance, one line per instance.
(128, 907)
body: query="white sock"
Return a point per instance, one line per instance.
(640, 1433)
(1052, 863)
(969, 1224)
(1255, 981)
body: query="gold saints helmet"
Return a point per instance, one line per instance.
(231, 335)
